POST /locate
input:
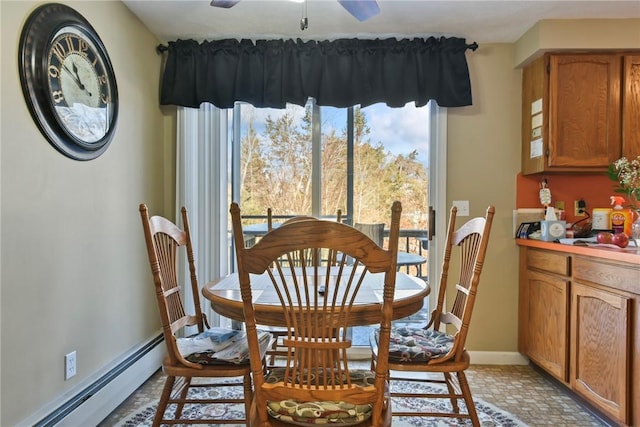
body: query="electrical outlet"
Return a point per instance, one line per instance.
(579, 208)
(463, 207)
(69, 365)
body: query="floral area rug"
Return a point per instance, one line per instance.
(490, 416)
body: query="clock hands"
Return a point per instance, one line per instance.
(76, 78)
(75, 71)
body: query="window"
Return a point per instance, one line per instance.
(205, 174)
(315, 160)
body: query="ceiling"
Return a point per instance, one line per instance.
(483, 21)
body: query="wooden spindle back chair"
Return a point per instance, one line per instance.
(439, 347)
(164, 241)
(315, 301)
(277, 349)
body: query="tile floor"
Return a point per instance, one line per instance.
(520, 390)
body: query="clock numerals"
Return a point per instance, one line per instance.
(53, 71)
(57, 96)
(83, 47)
(70, 43)
(63, 46)
(104, 89)
(73, 60)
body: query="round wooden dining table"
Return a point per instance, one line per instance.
(225, 299)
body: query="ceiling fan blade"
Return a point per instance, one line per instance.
(361, 9)
(224, 3)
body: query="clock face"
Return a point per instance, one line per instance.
(79, 90)
(68, 81)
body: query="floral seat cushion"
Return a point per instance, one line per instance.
(328, 412)
(210, 358)
(416, 344)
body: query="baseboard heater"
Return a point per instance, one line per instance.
(60, 413)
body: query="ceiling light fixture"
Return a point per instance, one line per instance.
(359, 9)
(304, 21)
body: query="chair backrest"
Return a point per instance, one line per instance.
(470, 241)
(164, 241)
(316, 302)
(306, 254)
(296, 218)
(374, 231)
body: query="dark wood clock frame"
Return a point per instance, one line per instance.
(35, 43)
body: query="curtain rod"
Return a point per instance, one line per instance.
(161, 48)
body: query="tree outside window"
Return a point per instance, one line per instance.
(277, 158)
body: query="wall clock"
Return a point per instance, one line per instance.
(68, 81)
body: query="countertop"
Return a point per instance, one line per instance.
(629, 254)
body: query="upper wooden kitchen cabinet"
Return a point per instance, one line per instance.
(631, 106)
(579, 111)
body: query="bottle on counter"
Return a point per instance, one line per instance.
(621, 218)
(601, 219)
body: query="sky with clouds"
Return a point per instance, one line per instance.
(400, 130)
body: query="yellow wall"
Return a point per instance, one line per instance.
(483, 159)
(74, 270)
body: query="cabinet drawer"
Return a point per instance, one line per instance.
(553, 262)
(614, 276)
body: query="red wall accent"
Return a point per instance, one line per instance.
(595, 189)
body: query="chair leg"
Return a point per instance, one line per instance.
(468, 399)
(184, 390)
(248, 398)
(274, 348)
(452, 392)
(164, 400)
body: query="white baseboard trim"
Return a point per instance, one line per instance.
(96, 397)
(497, 358)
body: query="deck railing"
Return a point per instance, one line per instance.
(411, 240)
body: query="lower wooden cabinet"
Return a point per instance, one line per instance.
(548, 323)
(579, 320)
(600, 349)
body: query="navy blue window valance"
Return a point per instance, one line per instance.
(339, 73)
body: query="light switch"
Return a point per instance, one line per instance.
(463, 207)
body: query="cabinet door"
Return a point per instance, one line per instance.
(600, 346)
(584, 111)
(548, 323)
(631, 107)
(534, 139)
